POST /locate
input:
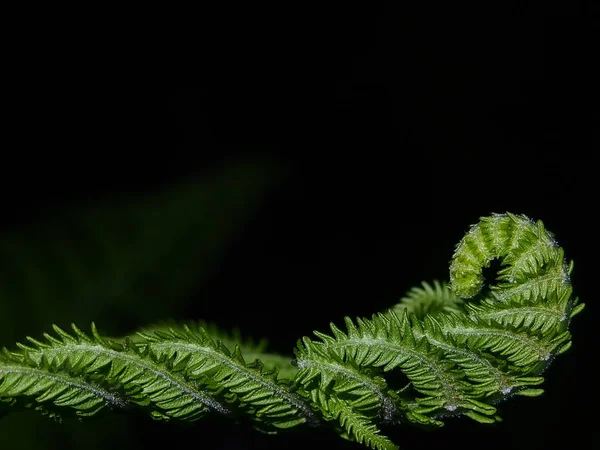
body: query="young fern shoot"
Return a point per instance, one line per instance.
(463, 347)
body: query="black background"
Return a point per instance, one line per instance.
(393, 131)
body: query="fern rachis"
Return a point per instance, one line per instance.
(463, 347)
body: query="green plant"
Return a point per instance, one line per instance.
(447, 349)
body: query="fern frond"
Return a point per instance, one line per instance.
(50, 387)
(543, 317)
(262, 394)
(387, 342)
(127, 369)
(462, 346)
(488, 376)
(362, 389)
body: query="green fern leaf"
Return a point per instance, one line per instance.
(136, 373)
(52, 387)
(463, 347)
(197, 356)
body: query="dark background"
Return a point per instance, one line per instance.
(387, 133)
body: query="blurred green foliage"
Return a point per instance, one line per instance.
(122, 262)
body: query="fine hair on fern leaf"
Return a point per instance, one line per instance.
(462, 347)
